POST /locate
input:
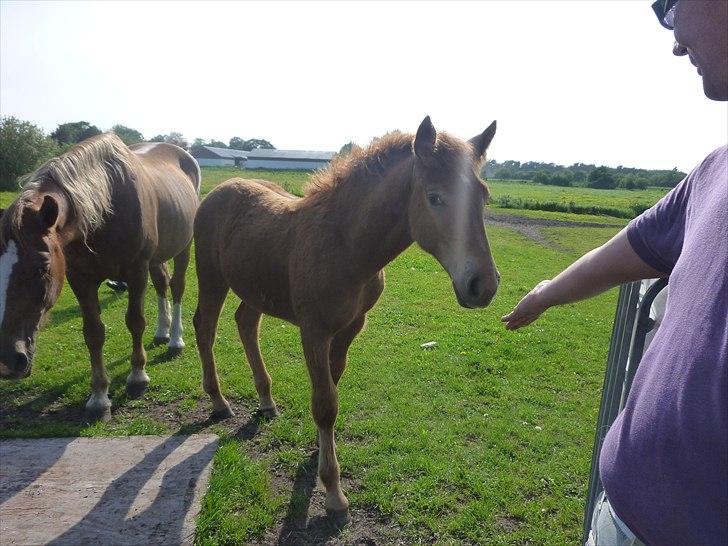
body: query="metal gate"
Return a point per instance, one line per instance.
(632, 323)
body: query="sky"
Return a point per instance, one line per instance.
(568, 81)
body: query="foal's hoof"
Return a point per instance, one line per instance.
(219, 415)
(160, 341)
(338, 518)
(98, 414)
(136, 390)
(174, 352)
(269, 413)
(336, 503)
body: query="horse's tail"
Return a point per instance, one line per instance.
(191, 168)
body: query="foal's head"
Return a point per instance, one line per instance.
(32, 267)
(446, 210)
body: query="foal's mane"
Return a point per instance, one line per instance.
(85, 174)
(380, 155)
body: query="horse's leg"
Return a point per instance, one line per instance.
(181, 261)
(137, 381)
(86, 290)
(248, 320)
(324, 407)
(210, 299)
(160, 280)
(340, 347)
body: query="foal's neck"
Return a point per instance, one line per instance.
(374, 221)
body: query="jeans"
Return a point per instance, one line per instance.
(607, 529)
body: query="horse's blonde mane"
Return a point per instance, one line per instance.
(85, 173)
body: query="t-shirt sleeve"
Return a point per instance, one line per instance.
(657, 234)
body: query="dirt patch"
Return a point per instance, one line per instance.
(305, 521)
(531, 227)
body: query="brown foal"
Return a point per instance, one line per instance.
(317, 261)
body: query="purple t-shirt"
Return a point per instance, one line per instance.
(664, 463)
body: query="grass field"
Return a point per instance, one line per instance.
(487, 438)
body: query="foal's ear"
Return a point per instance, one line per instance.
(425, 139)
(48, 213)
(481, 142)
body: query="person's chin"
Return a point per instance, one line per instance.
(715, 92)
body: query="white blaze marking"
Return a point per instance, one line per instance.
(7, 261)
(175, 334)
(163, 318)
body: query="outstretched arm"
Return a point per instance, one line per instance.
(613, 263)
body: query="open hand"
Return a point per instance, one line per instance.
(528, 309)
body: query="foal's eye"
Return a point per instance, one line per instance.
(435, 199)
(42, 270)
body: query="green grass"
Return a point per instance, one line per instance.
(527, 195)
(444, 442)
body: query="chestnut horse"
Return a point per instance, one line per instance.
(317, 261)
(99, 211)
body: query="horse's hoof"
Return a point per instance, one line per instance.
(174, 352)
(160, 341)
(336, 504)
(269, 413)
(219, 415)
(98, 414)
(339, 518)
(136, 390)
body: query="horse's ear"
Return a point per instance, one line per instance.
(48, 213)
(481, 142)
(425, 139)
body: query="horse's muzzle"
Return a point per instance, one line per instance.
(15, 365)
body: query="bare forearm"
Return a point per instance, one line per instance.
(609, 265)
(613, 263)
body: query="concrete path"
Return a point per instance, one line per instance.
(121, 491)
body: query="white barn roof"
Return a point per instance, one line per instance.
(226, 153)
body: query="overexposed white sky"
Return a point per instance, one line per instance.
(568, 81)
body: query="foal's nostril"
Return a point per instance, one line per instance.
(474, 287)
(21, 362)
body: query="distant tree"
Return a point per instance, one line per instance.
(541, 177)
(601, 178)
(564, 178)
(197, 144)
(236, 143)
(173, 138)
(127, 134)
(217, 144)
(70, 133)
(23, 147)
(346, 148)
(258, 143)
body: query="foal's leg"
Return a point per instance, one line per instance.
(340, 346)
(86, 290)
(160, 280)
(181, 261)
(137, 381)
(248, 320)
(324, 407)
(211, 297)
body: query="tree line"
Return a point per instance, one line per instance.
(582, 174)
(24, 146)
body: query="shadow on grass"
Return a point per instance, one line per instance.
(297, 528)
(59, 316)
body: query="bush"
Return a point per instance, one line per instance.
(601, 179)
(23, 148)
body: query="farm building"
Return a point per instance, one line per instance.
(209, 156)
(300, 160)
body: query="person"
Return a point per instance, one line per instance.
(664, 461)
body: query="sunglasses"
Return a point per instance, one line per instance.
(665, 11)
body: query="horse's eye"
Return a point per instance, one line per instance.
(435, 199)
(42, 270)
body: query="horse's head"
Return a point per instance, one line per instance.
(32, 267)
(446, 210)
